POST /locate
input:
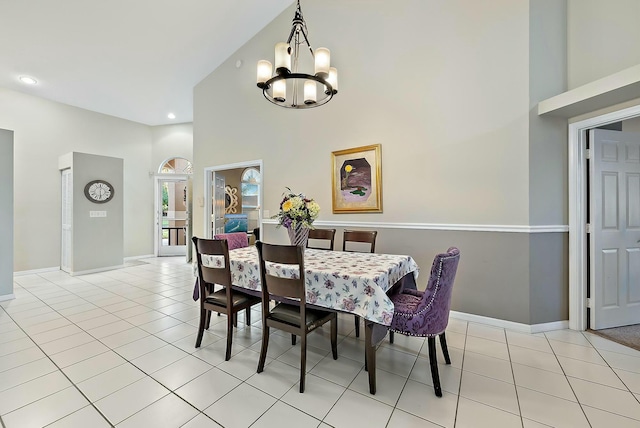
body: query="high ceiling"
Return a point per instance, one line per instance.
(134, 59)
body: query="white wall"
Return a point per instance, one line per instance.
(44, 130)
(443, 86)
(603, 38)
(171, 141)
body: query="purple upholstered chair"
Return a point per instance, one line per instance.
(234, 240)
(426, 313)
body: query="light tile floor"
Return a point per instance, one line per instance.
(117, 349)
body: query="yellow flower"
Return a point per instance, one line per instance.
(287, 205)
(348, 168)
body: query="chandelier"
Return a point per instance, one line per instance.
(284, 88)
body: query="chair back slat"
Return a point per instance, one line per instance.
(361, 236)
(321, 235)
(278, 286)
(285, 287)
(212, 275)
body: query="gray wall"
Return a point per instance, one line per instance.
(448, 89)
(6, 213)
(97, 241)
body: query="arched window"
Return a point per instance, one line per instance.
(250, 186)
(176, 166)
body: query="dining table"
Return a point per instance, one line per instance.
(351, 282)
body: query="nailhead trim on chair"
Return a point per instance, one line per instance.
(437, 287)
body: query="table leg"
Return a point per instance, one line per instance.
(370, 355)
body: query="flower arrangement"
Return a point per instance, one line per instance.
(297, 209)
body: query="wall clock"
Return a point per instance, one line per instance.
(98, 191)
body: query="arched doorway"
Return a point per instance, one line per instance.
(173, 208)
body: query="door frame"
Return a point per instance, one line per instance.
(207, 189)
(156, 179)
(578, 203)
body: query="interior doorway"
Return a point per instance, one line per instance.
(579, 257)
(237, 208)
(614, 227)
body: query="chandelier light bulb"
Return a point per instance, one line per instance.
(322, 61)
(310, 92)
(265, 70)
(333, 80)
(280, 90)
(283, 58)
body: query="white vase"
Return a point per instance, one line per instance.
(298, 235)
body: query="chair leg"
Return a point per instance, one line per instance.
(303, 360)
(229, 339)
(357, 324)
(334, 337)
(293, 339)
(433, 362)
(390, 337)
(445, 351)
(247, 316)
(263, 349)
(235, 319)
(209, 319)
(203, 320)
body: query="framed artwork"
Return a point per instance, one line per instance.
(357, 179)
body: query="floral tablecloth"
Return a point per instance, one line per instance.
(346, 281)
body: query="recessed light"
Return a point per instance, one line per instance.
(171, 116)
(28, 80)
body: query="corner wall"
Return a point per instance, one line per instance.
(6, 214)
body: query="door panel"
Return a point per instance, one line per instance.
(172, 216)
(614, 173)
(218, 203)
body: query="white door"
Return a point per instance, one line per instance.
(172, 215)
(614, 207)
(66, 238)
(218, 203)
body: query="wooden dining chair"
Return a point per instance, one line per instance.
(322, 235)
(226, 300)
(359, 241)
(296, 319)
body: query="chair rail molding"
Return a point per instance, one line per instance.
(441, 226)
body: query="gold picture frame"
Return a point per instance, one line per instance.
(356, 180)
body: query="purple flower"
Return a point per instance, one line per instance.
(387, 317)
(329, 284)
(311, 297)
(369, 290)
(348, 304)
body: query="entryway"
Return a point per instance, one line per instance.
(173, 208)
(585, 269)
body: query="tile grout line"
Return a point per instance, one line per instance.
(60, 370)
(513, 376)
(567, 378)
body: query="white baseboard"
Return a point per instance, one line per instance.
(7, 297)
(98, 270)
(36, 271)
(510, 325)
(132, 258)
